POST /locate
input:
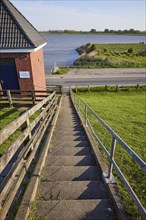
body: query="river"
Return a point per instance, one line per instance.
(61, 48)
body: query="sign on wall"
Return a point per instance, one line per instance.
(24, 74)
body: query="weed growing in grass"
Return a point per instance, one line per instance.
(33, 212)
(52, 197)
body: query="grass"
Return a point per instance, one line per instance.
(62, 70)
(125, 113)
(112, 55)
(33, 212)
(7, 115)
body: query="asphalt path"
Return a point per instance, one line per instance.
(85, 77)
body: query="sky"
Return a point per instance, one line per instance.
(84, 15)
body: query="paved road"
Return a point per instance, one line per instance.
(99, 77)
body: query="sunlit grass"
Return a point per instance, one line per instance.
(7, 115)
(125, 113)
(113, 55)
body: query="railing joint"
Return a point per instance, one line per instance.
(108, 180)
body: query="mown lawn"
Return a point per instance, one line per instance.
(7, 115)
(125, 112)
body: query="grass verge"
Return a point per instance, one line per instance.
(62, 70)
(125, 112)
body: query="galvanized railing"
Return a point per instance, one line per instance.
(83, 109)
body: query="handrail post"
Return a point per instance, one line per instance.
(70, 89)
(113, 146)
(86, 115)
(9, 98)
(78, 105)
(75, 100)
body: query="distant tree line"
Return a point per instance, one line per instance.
(94, 31)
(132, 31)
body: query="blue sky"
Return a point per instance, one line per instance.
(84, 14)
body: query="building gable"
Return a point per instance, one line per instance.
(15, 30)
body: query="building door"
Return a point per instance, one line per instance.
(8, 74)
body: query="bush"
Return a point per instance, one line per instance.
(62, 70)
(130, 50)
(93, 47)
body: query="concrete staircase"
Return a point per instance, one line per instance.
(71, 187)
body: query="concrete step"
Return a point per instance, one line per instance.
(68, 138)
(70, 151)
(69, 127)
(71, 186)
(70, 173)
(75, 210)
(68, 124)
(68, 118)
(75, 127)
(72, 190)
(66, 133)
(61, 133)
(70, 161)
(59, 144)
(69, 130)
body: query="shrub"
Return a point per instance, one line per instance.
(130, 50)
(93, 47)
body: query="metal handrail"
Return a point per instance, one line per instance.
(115, 138)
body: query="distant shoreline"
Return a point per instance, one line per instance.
(96, 33)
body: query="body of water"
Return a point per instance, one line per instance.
(61, 48)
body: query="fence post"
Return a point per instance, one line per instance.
(86, 115)
(25, 125)
(74, 99)
(33, 97)
(117, 88)
(9, 98)
(113, 146)
(61, 89)
(137, 86)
